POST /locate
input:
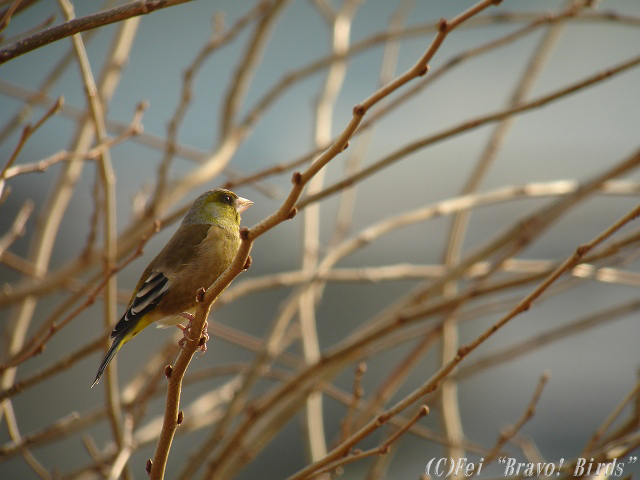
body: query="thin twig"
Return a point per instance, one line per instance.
(382, 449)
(247, 65)
(17, 227)
(300, 180)
(448, 391)
(339, 23)
(107, 177)
(593, 441)
(54, 368)
(27, 131)
(358, 393)
(14, 433)
(46, 231)
(5, 15)
(552, 335)
(82, 24)
(135, 128)
(469, 125)
(36, 346)
(435, 380)
(217, 40)
(509, 432)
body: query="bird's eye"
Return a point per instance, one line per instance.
(227, 199)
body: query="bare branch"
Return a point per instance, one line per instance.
(468, 125)
(78, 25)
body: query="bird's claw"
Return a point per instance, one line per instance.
(202, 344)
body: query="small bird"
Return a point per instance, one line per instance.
(202, 248)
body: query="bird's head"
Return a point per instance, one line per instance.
(217, 206)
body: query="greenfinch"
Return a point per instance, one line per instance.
(201, 249)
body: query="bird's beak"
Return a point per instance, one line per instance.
(242, 204)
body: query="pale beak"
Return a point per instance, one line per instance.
(242, 204)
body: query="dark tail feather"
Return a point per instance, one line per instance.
(115, 346)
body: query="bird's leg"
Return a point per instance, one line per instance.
(185, 330)
(202, 345)
(188, 316)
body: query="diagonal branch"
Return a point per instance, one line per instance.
(82, 24)
(286, 211)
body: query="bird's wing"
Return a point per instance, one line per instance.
(145, 299)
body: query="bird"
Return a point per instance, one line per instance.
(200, 250)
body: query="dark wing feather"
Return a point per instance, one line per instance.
(144, 300)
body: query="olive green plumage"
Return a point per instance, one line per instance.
(196, 255)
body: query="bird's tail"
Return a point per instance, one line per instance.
(115, 346)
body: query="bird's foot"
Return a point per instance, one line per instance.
(187, 329)
(202, 344)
